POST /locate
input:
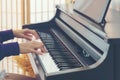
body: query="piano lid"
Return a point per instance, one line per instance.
(95, 10)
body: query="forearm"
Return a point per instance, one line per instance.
(6, 35)
(9, 49)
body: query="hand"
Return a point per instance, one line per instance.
(32, 47)
(25, 33)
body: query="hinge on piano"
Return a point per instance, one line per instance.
(103, 23)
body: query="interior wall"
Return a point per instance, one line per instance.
(115, 4)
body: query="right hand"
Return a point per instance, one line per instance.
(32, 47)
(25, 33)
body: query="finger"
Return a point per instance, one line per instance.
(27, 37)
(30, 35)
(44, 50)
(36, 51)
(42, 47)
(36, 35)
(32, 51)
(39, 52)
(33, 32)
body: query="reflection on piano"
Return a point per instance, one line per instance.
(77, 50)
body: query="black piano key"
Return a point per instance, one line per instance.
(64, 68)
(55, 53)
(52, 48)
(49, 46)
(65, 61)
(64, 65)
(70, 64)
(63, 53)
(65, 58)
(56, 49)
(59, 60)
(47, 38)
(48, 41)
(62, 57)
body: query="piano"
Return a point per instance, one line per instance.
(79, 44)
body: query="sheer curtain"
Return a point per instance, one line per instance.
(10, 18)
(15, 13)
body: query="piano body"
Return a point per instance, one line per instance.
(78, 47)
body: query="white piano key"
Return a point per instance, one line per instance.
(48, 63)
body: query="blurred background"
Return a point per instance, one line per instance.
(15, 13)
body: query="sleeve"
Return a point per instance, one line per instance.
(6, 35)
(9, 49)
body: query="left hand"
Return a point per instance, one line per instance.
(25, 33)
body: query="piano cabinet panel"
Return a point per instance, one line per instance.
(117, 63)
(38, 26)
(115, 44)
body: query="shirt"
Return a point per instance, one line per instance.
(8, 49)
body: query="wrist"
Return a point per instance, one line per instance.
(14, 33)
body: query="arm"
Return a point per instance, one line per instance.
(9, 49)
(15, 48)
(6, 35)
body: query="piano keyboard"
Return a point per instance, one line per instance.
(57, 58)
